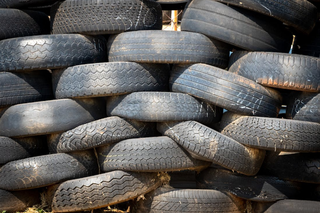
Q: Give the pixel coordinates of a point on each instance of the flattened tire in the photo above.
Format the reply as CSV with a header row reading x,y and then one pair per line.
x,y
50,52
103,190
225,89
278,70
46,170
159,106
152,154
47,117
167,47
107,79
106,16
207,144
236,26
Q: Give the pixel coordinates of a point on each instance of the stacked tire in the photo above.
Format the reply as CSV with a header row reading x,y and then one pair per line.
x,y
101,109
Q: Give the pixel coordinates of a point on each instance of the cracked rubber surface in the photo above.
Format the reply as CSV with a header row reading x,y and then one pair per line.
x,y
207,144
304,106
236,26
11,150
226,90
152,154
274,134
259,188
278,70
106,16
103,132
47,117
18,201
166,200
46,170
159,106
167,47
17,23
301,15
50,52
103,190
17,88
107,79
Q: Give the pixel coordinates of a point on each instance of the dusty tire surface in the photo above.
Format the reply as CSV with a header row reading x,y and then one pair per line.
x,y
107,79
18,201
152,154
50,52
165,200
278,70
47,117
159,106
236,26
274,134
17,88
207,144
106,16
294,206
167,47
103,190
226,90
46,170
102,132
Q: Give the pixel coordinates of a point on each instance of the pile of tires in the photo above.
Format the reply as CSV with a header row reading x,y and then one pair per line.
x,y
101,109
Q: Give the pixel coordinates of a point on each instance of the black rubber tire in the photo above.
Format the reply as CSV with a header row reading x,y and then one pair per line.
x,y
225,89
304,106
167,47
107,79
47,117
166,200
236,26
301,167
106,16
294,206
278,70
258,188
275,134
102,132
17,88
172,4
308,44
159,107
50,52
22,4
11,150
103,190
18,201
301,15
46,170
207,144
152,154
17,23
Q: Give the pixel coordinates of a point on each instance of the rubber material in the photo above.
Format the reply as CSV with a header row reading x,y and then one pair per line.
x,y
106,16
159,106
188,200
50,52
152,154
278,70
17,88
259,188
47,117
294,206
107,79
103,190
308,44
20,4
167,47
18,201
275,134
236,26
17,23
102,132
207,144
300,15
225,89
46,170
